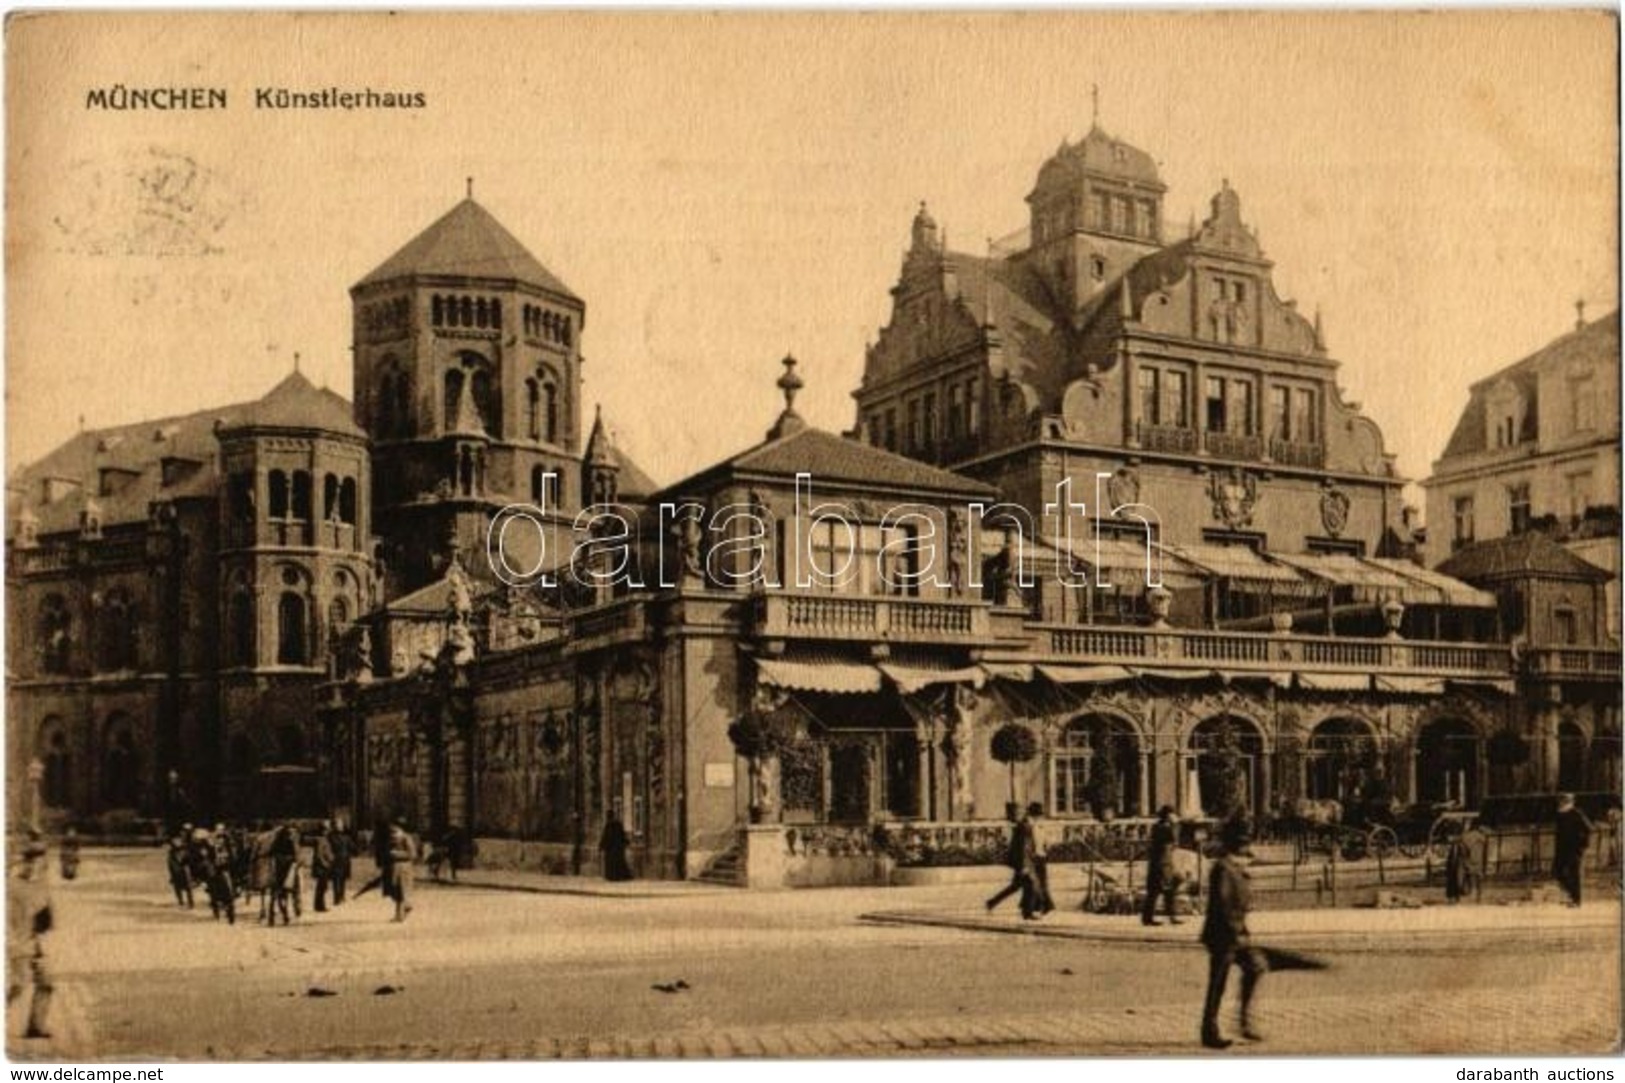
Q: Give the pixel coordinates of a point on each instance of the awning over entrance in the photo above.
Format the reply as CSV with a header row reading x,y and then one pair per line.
x,y
1275,677
1085,674
1453,591
910,679
1505,687
1122,564
1335,682
1418,685
839,676
1245,570
1368,583
1019,672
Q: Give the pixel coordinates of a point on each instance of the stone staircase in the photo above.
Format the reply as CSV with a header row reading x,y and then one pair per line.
x,y
726,869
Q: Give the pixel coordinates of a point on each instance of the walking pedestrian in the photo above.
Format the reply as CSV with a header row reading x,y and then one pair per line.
x,y
28,918
614,844
1224,934
1161,877
1572,836
339,840
321,865
1038,902
1015,856
69,854
284,873
180,875
403,851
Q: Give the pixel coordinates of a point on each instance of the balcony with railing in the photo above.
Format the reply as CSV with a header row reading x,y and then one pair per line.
x,y
1583,663
1233,445
1294,453
792,615
1175,648
1174,438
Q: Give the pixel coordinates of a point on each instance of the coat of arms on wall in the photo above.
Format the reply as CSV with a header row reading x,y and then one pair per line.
x,y
1234,493
1123,487
1334,511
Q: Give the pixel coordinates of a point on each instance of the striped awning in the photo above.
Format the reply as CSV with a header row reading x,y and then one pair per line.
x,y
1275,677
1504,687
910,679
1334,682
1453,591
1085,674
1417,685
1245,570
1369,583
1127,565
1175,674
818,676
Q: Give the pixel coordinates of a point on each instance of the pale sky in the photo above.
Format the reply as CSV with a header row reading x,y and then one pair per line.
x,y
722,189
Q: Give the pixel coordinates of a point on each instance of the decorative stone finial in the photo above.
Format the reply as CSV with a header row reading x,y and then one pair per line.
x,y
790,383
1579,314
470,183
1320,331
1094,105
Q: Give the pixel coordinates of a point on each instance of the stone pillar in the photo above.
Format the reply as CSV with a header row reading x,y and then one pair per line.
x,y
1143,803
1266,789
1131,376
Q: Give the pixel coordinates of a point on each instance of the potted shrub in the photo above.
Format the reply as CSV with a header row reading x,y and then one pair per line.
x,y
1014,743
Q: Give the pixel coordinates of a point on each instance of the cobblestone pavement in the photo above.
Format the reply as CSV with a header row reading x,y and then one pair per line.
x,y
486,975
1420,1021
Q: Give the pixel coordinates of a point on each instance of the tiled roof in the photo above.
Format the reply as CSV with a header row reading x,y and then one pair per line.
x,y
468,241
296,403
632,482
838,459
1099,152
1597,341
1517,556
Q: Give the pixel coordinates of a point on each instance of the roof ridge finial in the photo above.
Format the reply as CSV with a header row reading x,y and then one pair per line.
x,y
790,383
469,181
1094,106
1579,313
296,362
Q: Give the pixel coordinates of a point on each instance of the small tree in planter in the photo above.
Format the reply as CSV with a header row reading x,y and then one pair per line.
x,y
759,736
1014,743
1228,768
1105,791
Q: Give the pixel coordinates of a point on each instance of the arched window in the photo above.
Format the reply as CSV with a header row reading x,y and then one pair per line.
x,y
465,312
279,494
564,331
55,629
116,648
240,621
484,400
330,498
1224,767
454,396
1343,761
403,406
53,745
482,314
121,763
291,630
533,410
338,617
1095,768
347,501
550,412
547,325
1571,756
437,313
496,313
1447,753
386,405
301,495
290,745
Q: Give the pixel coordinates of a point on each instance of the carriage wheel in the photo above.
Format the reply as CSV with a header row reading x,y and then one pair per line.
x,y
1382,841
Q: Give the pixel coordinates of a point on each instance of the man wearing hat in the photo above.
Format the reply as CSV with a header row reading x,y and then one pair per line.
x,y
28,919
1573,835
1161,878
1224,934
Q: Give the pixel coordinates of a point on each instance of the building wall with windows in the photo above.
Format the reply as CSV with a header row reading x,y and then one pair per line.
x,y
1537,448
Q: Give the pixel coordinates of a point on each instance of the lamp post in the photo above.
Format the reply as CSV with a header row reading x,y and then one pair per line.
x,y
36,775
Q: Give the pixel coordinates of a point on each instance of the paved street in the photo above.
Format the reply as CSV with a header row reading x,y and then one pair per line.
x,y
488,973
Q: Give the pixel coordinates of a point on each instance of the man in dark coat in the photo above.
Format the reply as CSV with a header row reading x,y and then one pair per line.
x,y
1573,835
1161,878
339,840
1224,934
614,845
321,865
1016,858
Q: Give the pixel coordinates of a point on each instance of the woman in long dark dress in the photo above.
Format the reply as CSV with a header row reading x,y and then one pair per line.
x,y
614,843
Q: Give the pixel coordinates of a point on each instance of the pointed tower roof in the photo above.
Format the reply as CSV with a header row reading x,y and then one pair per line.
x,y
600,452
296,403
467,241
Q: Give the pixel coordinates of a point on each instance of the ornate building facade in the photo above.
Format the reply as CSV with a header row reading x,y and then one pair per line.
x,y
757,666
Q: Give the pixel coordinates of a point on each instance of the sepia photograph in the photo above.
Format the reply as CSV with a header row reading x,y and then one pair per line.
x,y
670,535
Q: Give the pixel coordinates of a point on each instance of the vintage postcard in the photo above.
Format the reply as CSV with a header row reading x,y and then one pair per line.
x,y
609,535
